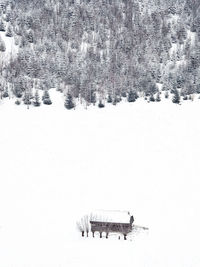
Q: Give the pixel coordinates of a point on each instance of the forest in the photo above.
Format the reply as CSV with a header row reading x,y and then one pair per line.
x,y
98,52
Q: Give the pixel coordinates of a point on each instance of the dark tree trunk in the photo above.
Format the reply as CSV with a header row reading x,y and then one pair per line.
x,y
82,233
93,234
125,235
107,235
100,234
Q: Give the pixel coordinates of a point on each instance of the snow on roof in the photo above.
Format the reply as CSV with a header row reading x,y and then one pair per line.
x,y
110,216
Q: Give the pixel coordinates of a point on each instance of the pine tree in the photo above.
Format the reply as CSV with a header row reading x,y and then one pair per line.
x,y
18,92
17,102
109,100
2,26
46,98
18,88
132,96
9,32
158,99
69,104
190,97
26,99
116,100
30,37
124,94
2,45
93,97
5,92
101,105
166,94
151,98
185,97
36,99
176,97
8,16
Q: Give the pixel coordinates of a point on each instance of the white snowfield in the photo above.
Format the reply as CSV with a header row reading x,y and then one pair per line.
x,y
57,165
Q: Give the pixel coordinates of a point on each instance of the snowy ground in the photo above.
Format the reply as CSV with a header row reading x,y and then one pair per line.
x,y
11,48
57,165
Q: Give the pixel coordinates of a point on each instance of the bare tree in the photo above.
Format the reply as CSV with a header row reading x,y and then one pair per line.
x,y
84,225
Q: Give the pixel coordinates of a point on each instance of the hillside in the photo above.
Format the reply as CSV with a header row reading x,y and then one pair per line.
x,y
101,51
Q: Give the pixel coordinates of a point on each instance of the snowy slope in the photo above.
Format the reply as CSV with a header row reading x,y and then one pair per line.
x,y
57,165
11,48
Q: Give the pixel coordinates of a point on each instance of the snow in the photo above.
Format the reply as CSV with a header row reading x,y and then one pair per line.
x,y
110,216
173,18
11,48
57,165
191,35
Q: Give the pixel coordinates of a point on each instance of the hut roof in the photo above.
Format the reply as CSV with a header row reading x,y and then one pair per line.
x,y
110,216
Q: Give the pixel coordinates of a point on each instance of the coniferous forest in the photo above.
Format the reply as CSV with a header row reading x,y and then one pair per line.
x,y
99,52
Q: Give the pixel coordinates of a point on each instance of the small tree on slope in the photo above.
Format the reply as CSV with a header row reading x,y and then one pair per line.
x,y
9,32
151,98
109,100
2,26
132,96
176,97
46,98
26,99
69,104
2,45
5,92
101,105
158,99
36,99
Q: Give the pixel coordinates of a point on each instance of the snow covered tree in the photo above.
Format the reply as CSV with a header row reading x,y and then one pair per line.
x,y
176,97
2,45
9,32
116,100
93,97
2,26
8,16
132,96
36,101
30,37
46,98
17,102
158,99
69,103
101,105
109,100
26,98
166,94
185,97
18,88
5,92
152,98
123,94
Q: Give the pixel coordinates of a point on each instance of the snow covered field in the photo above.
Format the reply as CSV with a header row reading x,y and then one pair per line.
x,y
57,165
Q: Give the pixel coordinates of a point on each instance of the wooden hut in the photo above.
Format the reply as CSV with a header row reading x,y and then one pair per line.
x,y
111,221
